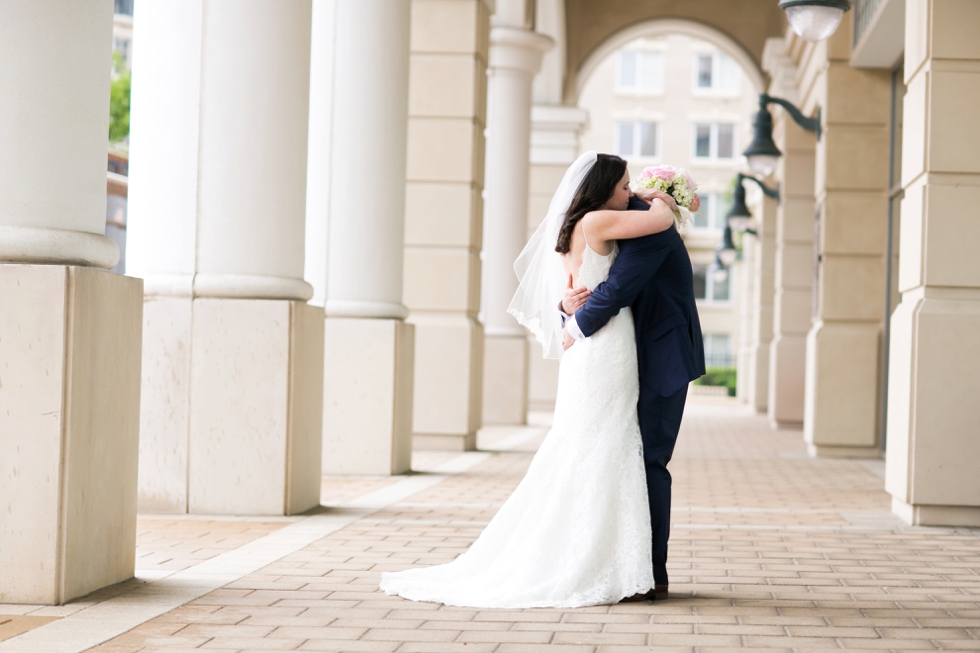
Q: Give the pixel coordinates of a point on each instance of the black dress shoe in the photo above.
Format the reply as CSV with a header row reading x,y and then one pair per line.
x,y
658,593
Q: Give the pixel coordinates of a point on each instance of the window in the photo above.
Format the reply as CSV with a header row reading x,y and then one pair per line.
x,y
700,281
709,289
717,350
716,74
714,141
711,215
637,139
640,71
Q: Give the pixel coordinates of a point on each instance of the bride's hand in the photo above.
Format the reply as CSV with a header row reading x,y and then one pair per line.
x,y
574,298
665,198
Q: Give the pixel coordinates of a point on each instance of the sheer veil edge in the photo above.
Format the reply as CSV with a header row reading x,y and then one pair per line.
x,y
539,268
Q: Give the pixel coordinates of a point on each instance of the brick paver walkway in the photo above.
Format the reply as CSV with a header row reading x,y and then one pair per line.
x,y
770,551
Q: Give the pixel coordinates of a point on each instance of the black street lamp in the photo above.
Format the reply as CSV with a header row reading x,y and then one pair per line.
x,y
814,20
762,151
726,252
718,270
739,217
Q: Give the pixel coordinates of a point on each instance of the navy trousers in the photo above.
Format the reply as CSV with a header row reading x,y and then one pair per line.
x,y
660,420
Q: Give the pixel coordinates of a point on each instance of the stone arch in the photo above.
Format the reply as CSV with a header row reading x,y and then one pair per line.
x,y
661,27
739,27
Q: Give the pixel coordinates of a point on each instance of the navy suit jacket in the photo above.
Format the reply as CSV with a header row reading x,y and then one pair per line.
x,y
653,275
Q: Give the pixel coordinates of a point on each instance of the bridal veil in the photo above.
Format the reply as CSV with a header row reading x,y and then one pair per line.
x,y
539,267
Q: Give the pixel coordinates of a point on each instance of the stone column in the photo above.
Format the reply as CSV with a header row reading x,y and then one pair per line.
x,y
793,302
763,270
746,310
69,329
515,56
555,131
843,351
444,217
232,355
359,125
933,411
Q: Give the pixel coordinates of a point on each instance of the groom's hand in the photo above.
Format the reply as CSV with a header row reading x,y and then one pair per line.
x,y
574,298
566,340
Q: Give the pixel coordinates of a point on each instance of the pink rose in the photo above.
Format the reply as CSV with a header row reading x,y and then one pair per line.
x,y
664,172
695,203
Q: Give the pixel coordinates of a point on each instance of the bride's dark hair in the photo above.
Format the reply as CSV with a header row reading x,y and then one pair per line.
x,y
595,190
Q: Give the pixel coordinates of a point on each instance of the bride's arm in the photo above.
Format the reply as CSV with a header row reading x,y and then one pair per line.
x,y
620,225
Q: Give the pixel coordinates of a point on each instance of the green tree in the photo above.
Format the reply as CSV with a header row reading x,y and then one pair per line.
x,y
119,100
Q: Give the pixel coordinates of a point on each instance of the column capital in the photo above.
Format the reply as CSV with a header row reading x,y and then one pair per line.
x,y
782,70
519,50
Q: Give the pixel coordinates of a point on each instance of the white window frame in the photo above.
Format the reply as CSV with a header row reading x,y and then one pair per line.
x,y
710,337
636,88
719,63
716,222
709,288
713,142
635,151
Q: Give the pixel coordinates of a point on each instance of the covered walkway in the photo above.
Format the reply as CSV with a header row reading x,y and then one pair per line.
x,y
770,550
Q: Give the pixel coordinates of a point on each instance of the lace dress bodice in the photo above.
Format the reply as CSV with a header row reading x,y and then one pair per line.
x,y
595,266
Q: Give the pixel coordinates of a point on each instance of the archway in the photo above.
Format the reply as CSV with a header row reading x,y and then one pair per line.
x,y
660,27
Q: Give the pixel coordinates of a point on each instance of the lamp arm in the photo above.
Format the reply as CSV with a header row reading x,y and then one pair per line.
x,y
768,192
809,124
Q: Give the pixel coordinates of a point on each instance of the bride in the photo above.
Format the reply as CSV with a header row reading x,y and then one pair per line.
x,y
576,531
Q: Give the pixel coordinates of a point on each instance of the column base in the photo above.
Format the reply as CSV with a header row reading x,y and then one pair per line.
x,y
929,515
505,380
842,385
70,346
448,387
367,396
231,410
933,413
787,379
818,451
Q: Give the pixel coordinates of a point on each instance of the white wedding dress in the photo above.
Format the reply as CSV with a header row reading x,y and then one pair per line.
x,y
576,531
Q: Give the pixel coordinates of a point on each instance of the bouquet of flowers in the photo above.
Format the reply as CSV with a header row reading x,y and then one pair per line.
x,y
676,182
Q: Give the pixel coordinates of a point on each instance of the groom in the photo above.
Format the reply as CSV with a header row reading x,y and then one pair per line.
x,y
653,275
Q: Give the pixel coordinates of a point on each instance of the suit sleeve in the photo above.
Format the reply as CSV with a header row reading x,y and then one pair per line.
x,y
638,260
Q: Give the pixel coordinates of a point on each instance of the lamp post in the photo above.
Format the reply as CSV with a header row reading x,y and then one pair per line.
x,y
814,20
726,252
762,152
739,217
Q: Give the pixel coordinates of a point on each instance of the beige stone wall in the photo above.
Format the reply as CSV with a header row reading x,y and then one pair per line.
x,y
763,273
444,216
794,256
933,413
843,365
